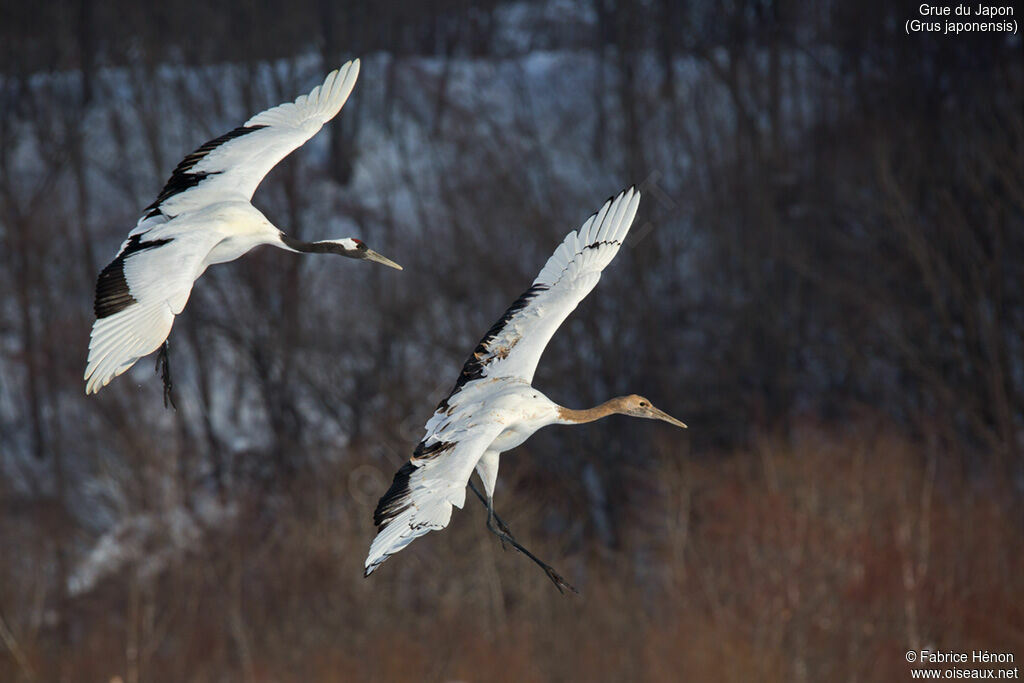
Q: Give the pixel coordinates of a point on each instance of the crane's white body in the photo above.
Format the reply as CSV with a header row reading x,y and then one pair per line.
x,y
524,410
240,226
493,408
202,217
513,404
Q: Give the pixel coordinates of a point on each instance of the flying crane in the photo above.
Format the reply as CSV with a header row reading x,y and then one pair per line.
x,y
204,216
493,408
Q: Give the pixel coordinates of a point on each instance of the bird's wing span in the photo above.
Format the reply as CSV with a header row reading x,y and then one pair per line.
x,y
513,346
234,164
137,296
425,488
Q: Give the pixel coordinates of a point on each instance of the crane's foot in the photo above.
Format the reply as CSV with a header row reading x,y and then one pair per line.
x,y
501,530
163,368
559,582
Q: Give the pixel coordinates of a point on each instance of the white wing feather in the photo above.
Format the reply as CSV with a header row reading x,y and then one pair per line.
x,y
425,489
515,344
235,168
160,281
120,340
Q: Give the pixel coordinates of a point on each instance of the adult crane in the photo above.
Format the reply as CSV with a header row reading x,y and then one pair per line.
x,y
204,216
493,407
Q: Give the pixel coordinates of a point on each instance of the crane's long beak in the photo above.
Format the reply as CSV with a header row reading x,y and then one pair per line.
x,y
371,255
665,417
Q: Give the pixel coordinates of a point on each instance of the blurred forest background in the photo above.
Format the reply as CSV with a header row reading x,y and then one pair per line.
x,y
825,281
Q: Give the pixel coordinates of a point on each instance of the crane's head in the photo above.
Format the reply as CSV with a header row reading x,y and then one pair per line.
x,y
349,246
357,249
638,406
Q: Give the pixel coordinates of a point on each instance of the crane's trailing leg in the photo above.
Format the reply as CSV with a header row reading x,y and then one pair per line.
x,y
497,520
163,368
499,529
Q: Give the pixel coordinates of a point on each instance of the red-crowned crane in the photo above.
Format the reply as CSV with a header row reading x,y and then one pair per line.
x,y
204,216
493,408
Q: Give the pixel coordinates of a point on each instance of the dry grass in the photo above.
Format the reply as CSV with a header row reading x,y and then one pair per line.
x,y
821,559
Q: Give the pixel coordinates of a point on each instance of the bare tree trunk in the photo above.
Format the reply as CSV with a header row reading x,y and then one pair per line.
x,y
25,273
86,45
600,144
339,164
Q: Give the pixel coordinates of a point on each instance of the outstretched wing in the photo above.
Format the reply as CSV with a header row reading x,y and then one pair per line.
x,y
424,490
234,164
513,346
137,296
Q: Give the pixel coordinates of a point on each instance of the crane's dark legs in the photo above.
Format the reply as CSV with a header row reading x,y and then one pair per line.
x,y
501,530
490,510
163,368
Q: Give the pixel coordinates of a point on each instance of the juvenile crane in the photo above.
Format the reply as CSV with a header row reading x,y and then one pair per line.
x,y
204,216
493,408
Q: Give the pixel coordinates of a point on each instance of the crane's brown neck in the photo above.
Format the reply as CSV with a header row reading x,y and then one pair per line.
x,y
609,407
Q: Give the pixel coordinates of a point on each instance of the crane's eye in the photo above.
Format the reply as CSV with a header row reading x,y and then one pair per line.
x,y
643,404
